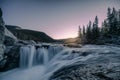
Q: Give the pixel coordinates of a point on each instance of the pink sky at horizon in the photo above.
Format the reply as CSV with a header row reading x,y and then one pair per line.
x,y
57,19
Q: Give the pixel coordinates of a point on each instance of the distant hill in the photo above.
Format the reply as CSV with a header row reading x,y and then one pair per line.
x,y
25,34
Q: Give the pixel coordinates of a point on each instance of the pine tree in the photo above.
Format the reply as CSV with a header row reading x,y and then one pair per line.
x,y
104,29
109,19
114,12
89,33
96,21
83,35
119,22
112,22
95,30
109,31
84,30
109,12
79,35
79,32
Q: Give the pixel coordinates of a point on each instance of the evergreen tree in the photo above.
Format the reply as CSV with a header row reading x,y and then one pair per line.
x,y
109,19
109,12
112,22
89,33
83,35
96,21
114,12
95,30
84,30
79,35
109,31
118,22
79,32
104,29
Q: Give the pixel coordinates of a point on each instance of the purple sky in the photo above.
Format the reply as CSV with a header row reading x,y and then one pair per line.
x,y
58,18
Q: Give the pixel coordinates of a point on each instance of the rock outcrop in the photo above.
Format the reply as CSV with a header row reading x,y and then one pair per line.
x,y
5,34
2,36
6,39
11,58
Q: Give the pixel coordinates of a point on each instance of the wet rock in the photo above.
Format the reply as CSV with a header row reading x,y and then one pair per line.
x,y
2,47
85,53
73,45
3,62
86,72
75,51
46,46
9,41
26,42
12,58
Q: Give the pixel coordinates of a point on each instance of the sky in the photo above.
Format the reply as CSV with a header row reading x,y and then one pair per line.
x,y
57,18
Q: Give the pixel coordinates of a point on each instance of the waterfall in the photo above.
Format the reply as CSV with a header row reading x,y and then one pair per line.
x,y
27,56
53,50
24,51
31,56
40,63
45,56
41,56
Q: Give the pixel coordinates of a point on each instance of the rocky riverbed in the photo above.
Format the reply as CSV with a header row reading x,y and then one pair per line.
x,y
104,65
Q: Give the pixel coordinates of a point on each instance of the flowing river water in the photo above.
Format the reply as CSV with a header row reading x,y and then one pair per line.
x,y
41,62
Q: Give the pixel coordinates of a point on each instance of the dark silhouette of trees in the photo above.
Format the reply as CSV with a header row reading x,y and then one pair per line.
x,y
91,33
113,22
108,32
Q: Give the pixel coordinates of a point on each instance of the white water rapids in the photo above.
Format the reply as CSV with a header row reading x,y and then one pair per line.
x,y
40,63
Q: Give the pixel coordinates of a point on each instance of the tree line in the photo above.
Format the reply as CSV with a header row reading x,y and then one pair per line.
x,y
109,32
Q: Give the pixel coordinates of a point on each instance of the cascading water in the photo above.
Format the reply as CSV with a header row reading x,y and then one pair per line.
x,y
24,51
40,63
53,50
27,56
41,56
31,56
